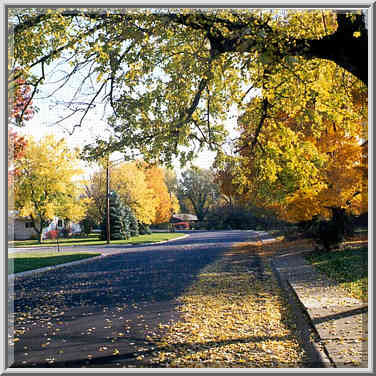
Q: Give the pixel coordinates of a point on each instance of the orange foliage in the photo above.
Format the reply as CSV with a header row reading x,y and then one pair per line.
x,y
164,200
306,172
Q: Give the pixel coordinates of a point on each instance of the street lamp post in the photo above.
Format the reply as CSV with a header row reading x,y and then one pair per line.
x,y
108,232
108,192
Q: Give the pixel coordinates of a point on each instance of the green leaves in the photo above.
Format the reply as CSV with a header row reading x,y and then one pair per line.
x,y
266,57
198,190
166,72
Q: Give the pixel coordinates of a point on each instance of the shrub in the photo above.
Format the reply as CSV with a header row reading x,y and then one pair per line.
x,y
329,234
182,226
202,225
144,229
52,234
133,223
86,225
234,217
162,226
66,232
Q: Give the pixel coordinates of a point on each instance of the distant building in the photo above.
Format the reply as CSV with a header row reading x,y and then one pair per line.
x,y
183,217
182,221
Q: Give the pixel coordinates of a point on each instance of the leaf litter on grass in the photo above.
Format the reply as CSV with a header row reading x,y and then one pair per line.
x,y
232,318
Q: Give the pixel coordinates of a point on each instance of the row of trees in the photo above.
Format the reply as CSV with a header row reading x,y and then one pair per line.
x,y
203,193
297,81
47,182
327,213
44,178
141,187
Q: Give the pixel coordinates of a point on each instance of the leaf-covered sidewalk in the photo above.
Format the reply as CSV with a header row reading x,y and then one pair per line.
x,y
234,315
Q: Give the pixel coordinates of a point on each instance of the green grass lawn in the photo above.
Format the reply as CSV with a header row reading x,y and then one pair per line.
x,y
349,267
94,239
20,262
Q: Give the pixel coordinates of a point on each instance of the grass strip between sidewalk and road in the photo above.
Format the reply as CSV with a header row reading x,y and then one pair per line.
x,y
231,318
346,266
21,262
94,239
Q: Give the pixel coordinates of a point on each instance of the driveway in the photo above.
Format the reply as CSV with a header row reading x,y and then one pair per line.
x,y
103,313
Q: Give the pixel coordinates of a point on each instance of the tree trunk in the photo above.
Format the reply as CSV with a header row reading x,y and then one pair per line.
x,y
342,221
340,47
39,230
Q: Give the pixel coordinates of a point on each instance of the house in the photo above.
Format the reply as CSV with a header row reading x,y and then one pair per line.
x,y
182,221
21,228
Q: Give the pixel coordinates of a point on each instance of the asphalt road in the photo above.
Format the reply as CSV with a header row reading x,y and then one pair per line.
x,y
101,313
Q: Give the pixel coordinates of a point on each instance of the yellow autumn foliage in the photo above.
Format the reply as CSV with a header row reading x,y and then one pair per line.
x,y
311,154
45,186
144,189
128,180
166,203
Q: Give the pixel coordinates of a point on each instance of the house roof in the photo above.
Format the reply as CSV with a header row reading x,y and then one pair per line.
x,y
181,217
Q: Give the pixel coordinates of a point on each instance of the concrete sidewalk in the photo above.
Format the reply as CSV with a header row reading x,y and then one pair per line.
x,y
340,321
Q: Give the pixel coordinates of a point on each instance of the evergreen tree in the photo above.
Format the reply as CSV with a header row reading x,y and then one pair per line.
x,y
133,223
119,220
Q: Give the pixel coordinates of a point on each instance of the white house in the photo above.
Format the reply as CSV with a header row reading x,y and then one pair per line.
x,y
21,228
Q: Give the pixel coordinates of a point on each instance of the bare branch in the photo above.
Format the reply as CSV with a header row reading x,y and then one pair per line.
x,y
87,108
41,78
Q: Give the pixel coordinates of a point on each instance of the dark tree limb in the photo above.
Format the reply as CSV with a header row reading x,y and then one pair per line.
x,y
341,47
264,115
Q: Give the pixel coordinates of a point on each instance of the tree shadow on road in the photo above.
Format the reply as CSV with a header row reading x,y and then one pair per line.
x,y
86,295
130,358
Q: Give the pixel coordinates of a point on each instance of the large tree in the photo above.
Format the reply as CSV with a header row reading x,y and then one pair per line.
x,y
129,180
95,190
45,186
198,187
172,76
166,202
307,160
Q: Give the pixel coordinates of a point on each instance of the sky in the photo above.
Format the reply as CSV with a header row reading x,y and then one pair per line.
x,y
94,125
42,124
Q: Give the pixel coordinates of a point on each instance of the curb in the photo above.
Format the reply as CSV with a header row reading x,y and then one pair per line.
x,y
315,348
319,344
330,314
12,276
95,245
